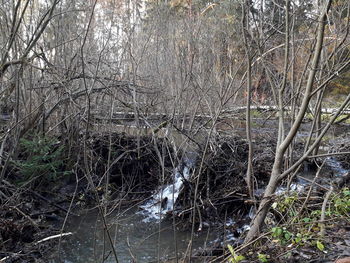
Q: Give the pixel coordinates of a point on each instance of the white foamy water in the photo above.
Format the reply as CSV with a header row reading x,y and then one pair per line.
x,y
164,199
294,187
299,186
336,167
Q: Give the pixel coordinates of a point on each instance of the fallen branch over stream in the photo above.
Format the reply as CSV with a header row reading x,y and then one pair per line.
x,y
128,115
54,236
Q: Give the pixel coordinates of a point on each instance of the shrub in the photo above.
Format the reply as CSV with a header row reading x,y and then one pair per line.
x,y
41,157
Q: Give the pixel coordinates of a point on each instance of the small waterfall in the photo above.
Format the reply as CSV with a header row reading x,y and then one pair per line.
x,y
294,187
336,166
164,199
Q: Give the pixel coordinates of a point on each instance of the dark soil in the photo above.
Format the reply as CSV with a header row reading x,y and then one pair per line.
x,y
136,164
23,222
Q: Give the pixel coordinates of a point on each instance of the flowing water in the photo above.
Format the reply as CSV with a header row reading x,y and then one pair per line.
x,y
164,199
134,239
141,235
336,167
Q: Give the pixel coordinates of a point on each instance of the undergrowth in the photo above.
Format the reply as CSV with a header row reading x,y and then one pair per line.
x,y
40,157
290,227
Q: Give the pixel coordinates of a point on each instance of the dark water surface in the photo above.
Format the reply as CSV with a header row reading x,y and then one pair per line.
x,y
134,239
140,240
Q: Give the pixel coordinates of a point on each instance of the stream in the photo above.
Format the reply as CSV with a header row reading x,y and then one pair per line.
x,y
141,235
135,240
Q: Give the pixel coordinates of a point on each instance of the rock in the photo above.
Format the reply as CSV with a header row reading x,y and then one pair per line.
x,y
343,260
164,202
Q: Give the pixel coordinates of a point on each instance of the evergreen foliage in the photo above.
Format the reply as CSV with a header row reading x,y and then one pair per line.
x,y
42,157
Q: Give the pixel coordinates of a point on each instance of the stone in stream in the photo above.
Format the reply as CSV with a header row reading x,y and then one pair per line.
x,y
164,202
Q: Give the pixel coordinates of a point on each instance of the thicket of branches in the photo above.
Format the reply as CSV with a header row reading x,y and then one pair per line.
x,y
65,64
63,59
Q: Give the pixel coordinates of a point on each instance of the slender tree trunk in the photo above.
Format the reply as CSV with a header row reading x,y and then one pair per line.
x,y
275,177
245,28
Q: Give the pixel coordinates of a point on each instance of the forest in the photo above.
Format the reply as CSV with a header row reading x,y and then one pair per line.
x,y
175,131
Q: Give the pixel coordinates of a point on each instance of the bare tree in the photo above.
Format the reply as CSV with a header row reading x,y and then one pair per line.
x,y
277,174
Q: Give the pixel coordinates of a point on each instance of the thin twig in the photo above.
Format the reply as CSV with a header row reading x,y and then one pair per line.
x,y
323,211
311,187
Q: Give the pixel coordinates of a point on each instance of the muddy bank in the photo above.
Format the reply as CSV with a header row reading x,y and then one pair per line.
x,y
26,220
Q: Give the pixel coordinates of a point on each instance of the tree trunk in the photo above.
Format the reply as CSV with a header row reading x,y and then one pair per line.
x,y
275,178
267,199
